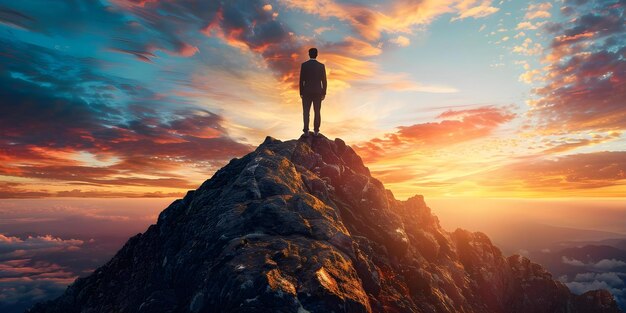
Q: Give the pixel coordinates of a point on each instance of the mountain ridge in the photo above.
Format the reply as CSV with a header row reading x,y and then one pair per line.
x,y
301,226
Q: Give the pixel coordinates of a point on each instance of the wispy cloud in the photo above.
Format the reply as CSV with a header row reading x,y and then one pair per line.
x,y
371,21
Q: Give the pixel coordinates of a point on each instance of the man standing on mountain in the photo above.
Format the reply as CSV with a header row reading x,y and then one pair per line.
x,y
312,90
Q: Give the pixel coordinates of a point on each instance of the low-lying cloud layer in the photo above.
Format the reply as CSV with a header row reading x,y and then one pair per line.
x,y
24,276
611,281
604,264
45,244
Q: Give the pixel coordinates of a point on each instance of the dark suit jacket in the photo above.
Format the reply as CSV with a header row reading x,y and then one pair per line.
x,y
312,78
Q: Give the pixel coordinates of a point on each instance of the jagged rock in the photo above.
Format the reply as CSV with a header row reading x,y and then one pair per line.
x,y
301,226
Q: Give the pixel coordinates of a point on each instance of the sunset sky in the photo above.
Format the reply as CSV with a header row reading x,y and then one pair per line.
x,y
462,101
147,98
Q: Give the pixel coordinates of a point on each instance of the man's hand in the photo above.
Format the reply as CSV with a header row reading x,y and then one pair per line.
x,y
300,96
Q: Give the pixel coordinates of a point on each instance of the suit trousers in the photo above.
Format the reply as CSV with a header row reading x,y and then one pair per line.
x,y
316,100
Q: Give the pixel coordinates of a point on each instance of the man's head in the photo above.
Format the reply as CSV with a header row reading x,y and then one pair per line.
x,y
313,53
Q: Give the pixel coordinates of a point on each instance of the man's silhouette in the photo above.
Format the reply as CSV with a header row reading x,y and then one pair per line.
x,y
312,90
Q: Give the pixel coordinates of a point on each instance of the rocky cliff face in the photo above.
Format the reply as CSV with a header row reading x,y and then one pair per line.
x,y
301,226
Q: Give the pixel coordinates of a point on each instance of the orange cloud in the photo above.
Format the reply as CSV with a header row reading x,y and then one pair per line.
x,y
528,48
481,10
50,148
529,25
401,41
400,17
353,47
539,10
590,174
402,82
456,126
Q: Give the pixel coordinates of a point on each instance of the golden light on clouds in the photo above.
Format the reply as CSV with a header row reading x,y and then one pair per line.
x,y
454,97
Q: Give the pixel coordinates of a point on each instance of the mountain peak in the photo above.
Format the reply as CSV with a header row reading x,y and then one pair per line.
x,y
301,226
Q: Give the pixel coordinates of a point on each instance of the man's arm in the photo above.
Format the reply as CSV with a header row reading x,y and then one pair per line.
x,y
301,83
324,83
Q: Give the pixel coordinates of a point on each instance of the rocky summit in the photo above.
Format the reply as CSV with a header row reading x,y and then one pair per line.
x,y
301,226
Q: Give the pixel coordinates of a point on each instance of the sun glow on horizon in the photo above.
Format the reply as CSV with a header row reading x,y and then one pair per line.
x,y
508,117
443,98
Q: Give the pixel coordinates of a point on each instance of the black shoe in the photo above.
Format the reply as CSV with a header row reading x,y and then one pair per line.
x,y
316,133
305,134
